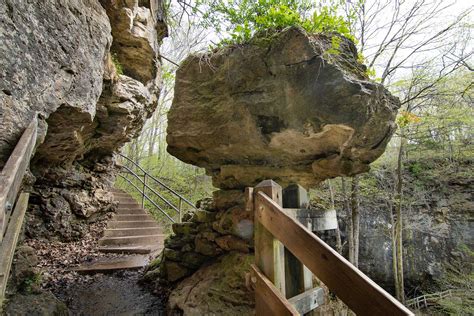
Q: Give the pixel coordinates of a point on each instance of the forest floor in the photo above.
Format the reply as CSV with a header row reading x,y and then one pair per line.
x,y
115,293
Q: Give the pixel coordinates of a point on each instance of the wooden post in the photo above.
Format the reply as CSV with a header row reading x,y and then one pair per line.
x,y
298,278
269,252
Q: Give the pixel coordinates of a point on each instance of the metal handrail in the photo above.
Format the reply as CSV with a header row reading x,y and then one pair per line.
x,y
150,200
142,177
158,181
151,189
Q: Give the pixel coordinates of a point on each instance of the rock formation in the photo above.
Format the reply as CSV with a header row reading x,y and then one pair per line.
x,y
91,70
293,108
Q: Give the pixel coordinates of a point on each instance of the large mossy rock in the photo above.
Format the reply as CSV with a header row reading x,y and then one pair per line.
x,y
293,107
216,289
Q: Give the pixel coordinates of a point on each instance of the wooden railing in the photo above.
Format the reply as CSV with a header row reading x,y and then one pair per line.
x,y
12,209
427,300
276,230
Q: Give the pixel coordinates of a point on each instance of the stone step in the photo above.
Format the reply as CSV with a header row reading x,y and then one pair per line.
x,y
112,264
124,197
133,217
132,224
139,249
132,240
141,231
128,205
131,211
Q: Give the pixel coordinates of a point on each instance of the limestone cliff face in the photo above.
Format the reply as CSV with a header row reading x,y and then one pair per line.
x,y
64,60
286,108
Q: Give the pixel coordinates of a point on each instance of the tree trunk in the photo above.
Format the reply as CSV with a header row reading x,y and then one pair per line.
x,y
355,218
399,285
333,206
350,234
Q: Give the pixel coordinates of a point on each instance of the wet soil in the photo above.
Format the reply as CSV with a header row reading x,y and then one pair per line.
x,y
111,294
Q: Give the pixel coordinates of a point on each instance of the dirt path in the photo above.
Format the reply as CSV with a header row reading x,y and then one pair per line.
x,y
111,294
116,293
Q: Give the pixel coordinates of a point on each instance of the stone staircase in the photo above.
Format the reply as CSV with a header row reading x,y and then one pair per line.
x,y
131,232
132,229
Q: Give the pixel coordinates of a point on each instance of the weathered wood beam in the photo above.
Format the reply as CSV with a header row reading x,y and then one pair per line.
x,y
353,287
7,247
14,170
269,252
298,278
308,301
268,299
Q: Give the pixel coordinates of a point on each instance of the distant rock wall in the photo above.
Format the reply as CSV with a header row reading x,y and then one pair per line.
x,y
91,70
438,223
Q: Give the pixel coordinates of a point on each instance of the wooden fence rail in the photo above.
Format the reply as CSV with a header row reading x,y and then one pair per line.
x,y
275,229
12,209
427,300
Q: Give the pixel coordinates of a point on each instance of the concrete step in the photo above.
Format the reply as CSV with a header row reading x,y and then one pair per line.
x,y
117,191
128,205
132,224
142,231
131,211
139,249
127,218
132,240
112,264
123,197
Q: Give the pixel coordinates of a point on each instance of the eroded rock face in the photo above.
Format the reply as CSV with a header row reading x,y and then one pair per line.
x,y
283,108
217,289
62,59
52,56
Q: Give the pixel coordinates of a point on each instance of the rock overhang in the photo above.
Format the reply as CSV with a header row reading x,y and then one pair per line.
x,y
288,110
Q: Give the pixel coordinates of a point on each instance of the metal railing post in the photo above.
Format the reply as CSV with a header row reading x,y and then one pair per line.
x,y
144,188
179,210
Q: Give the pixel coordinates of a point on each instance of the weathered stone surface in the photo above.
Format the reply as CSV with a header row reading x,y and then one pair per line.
x,y
185,228
25,269
175,271
206,247
287,110
177,242
202,216
193,260
217,289
52,56
56,59
136,26
44,303
224,199
171,254
236,221
230,242
64,200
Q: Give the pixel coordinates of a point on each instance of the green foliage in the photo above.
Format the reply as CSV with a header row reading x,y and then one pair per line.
x,y
31,283
416,168
117,64
245,18
459,276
